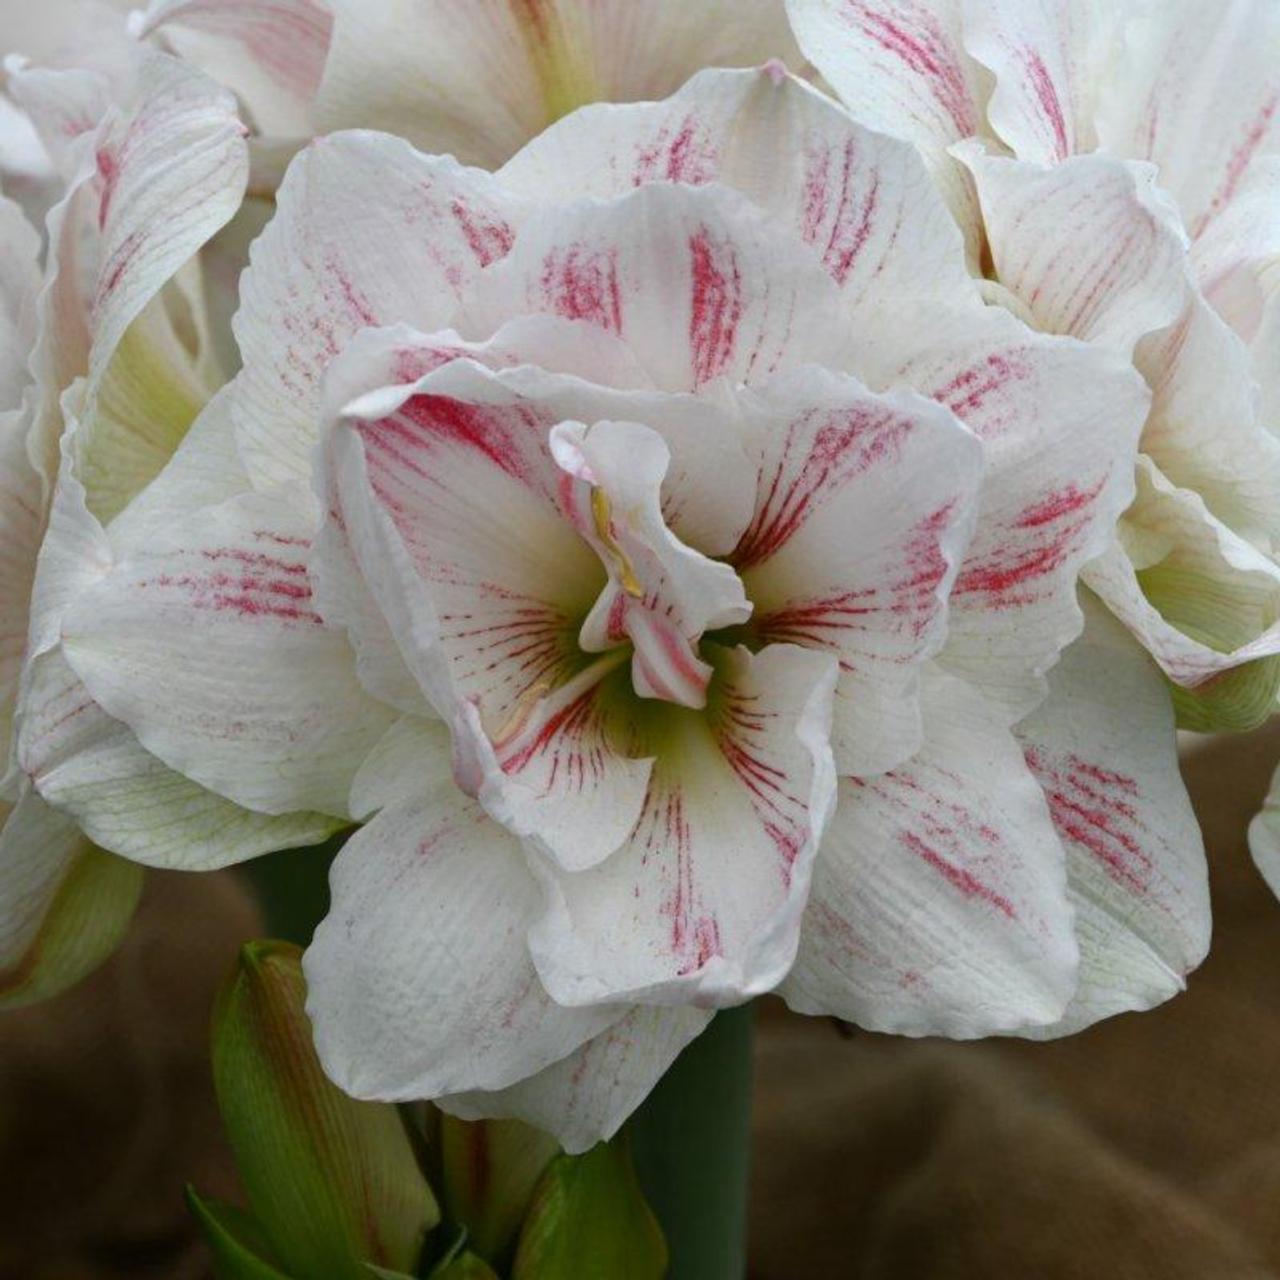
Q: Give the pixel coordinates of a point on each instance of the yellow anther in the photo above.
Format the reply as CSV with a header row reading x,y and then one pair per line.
x,y
603,516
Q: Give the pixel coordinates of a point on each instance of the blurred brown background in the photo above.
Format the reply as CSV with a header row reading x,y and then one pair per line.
x,y
1145,1149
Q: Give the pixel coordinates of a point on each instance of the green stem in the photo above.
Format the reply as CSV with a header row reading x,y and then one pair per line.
x,y
691,1141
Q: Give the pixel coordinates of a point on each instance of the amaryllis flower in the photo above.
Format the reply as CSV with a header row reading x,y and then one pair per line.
x,y
1109,138
660,547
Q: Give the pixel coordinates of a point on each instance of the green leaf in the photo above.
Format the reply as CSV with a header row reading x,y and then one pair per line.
x,y
234,1239
467,1266
332,1181
385,1273
489,1171
589,1218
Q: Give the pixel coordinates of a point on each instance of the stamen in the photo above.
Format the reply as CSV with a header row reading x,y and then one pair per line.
x,y
602,514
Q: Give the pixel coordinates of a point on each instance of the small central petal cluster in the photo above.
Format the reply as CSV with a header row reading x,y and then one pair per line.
x,y
663,551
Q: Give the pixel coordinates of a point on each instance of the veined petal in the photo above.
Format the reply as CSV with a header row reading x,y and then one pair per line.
x,y
662,595
271,54
900,68
1059,422
862,201
1104,749
480,77
419,978
703,902
1202,601
95,771
1196,90
63,904
265,710
864,508
1091,247
696,281
367,232
585,1097
1049,59
939,903
444,501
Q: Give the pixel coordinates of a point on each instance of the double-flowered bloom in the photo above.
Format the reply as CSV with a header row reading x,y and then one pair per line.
x,y
665,545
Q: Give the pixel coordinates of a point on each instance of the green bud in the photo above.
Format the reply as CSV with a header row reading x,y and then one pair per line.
x,y
489,1170
87,914
234,1239
589,1218
333,1182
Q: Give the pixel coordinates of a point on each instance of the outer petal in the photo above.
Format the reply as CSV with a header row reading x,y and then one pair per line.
x,y
271,54
1264,837
863,201
1196,90
939,900
1090,247
696,281
266,709
19,281
901,69
1202,601
63,904
1059,421
864,508
703,904
1104,749
585,1097
662,595
419,978
478,78
1049,59
367,232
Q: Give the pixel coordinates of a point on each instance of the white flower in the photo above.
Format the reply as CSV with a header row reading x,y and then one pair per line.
x,y
664,477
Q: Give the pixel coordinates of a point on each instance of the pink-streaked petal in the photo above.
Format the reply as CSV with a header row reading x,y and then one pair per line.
x,y
271,54
864,509
900,67
1201,600
662,595
939,899
1090,247
1049,59
419,980
703,903
265,709
1104,750
1059,422
478,78
697,282
585,1097
862,201
1196,89
367,232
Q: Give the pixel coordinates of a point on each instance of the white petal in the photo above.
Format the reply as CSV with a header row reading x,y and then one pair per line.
x,y
662,595
696,281
125,799
1196,90
1202,601
21,528
1049,59
864,510
1059,422
367,232
585,1098
419,978
19,281
939,900
863,201
265,709
1091,247
703,904
1104,749
900,68
480,77
272,55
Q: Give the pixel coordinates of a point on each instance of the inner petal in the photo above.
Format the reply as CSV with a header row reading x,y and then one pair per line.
x,y
661,595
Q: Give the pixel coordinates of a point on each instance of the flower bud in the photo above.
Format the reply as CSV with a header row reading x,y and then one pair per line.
x,y
333,1182
589,1218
